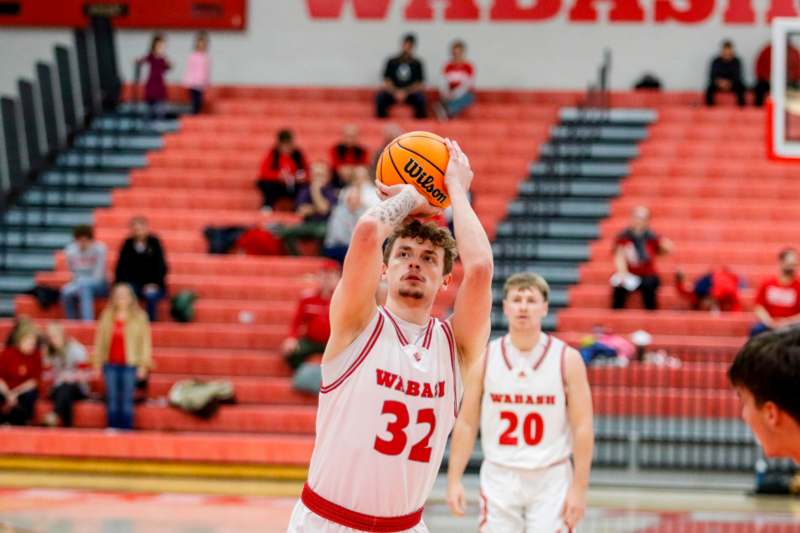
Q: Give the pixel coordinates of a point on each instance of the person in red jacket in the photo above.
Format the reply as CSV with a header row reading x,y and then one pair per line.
x,y
346,155
311,327
764,71
778,297
20,375
283,170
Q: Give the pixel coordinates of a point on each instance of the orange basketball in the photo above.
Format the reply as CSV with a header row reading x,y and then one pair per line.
x,y
419,158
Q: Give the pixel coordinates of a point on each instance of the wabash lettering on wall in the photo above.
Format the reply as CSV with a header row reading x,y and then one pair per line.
x,y
578,11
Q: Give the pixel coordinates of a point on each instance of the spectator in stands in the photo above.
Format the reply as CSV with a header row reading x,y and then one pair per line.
x,y
155,88
141,265
282,170
20,375
715,291
347,155
459,77
353,202
123,349
726,75
403,81
635,252
314,204
67,358
86,260
765,374
764,72
311,325
198,72
391,131
778,297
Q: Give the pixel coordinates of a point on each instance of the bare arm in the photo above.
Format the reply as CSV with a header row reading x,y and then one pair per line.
x,y
25,386
619,260
763,316
462,441
579,412
353,302
472,310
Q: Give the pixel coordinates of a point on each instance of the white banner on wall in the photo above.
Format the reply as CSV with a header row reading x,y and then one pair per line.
x,y
532,44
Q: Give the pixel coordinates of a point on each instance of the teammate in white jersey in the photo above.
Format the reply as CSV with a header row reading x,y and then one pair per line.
x,y
532,401
391,374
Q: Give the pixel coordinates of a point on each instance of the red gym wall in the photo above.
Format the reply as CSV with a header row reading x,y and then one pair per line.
x,y
144,14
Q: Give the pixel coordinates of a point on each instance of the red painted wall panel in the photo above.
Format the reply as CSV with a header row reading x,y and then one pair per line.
x,y
145,14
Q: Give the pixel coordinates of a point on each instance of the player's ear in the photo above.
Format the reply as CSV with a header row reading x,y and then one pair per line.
x,y
448,278
771,413
384,268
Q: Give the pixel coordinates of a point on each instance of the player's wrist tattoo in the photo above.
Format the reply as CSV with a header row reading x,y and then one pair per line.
x,y
395,209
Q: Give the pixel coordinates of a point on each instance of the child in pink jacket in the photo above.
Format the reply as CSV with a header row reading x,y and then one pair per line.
x,y
198,71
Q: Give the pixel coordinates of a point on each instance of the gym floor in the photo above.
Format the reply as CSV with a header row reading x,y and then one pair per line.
x,y
153,505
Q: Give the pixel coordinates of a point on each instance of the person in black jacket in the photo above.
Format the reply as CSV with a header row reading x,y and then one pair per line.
x,y
403,81
141,265
726,75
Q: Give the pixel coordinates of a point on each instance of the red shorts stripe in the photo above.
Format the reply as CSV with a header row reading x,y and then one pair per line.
x,y
352,519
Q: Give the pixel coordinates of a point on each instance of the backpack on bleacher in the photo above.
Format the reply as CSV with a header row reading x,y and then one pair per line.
x,y
199,398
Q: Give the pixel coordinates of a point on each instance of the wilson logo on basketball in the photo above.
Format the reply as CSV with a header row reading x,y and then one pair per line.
x,y
415,171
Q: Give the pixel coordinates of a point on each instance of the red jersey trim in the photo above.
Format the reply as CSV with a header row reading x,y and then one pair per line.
x,y
355,520
402,338
503,351
448,332
544,352
484,510
563,372
360,359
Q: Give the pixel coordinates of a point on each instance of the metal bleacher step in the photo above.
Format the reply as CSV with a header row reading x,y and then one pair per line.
x,y
105,160
32,237
573,168
6,305
50,217
614,116
67,198
576,229
556,207
136,125
599,133
555,272
95,179
594,151
16,281
30,258
141,108
537,188
119,142
541,249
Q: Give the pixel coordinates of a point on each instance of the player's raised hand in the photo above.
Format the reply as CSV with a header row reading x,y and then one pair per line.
x,y
574,507
459,171
423,209
456,499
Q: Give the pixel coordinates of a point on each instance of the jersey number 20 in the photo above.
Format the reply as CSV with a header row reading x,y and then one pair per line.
x,y
532,429
421,451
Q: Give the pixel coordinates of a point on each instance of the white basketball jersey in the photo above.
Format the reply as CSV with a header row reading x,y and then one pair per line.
x,y
524,421
386,407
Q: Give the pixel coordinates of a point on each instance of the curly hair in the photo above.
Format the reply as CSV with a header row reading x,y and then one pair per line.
x,y
425,231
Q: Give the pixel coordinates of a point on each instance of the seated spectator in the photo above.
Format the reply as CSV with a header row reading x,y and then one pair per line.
x,y
778,297
86,260
726,75
346,156
459,76
764,72
353,202
635,252
283,169
314,204
141,265
68,361
123,350
717,290
311,325
20,375
403,81
390,132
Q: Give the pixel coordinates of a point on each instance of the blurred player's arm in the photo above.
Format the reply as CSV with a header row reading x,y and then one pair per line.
x,y
462,441
353,302
579,412
471,318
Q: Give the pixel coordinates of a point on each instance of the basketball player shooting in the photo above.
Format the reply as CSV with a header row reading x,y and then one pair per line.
x,y
532,401
392,375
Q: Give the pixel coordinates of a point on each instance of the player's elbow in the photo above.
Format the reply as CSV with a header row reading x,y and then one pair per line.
x,y
480,270
366,233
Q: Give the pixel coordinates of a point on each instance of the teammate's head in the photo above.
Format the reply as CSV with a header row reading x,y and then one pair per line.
x,y
526,297
418,258
788,259
765,374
